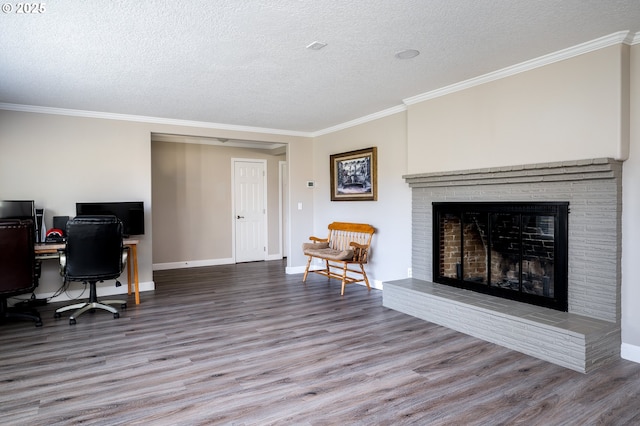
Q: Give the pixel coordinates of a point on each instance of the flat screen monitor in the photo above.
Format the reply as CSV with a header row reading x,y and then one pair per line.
x,y
17,209
130,213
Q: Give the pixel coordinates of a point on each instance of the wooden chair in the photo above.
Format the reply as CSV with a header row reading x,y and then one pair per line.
x,y
344,251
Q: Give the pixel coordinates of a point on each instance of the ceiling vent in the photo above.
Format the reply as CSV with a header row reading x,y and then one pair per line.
x,y
316,45
407,54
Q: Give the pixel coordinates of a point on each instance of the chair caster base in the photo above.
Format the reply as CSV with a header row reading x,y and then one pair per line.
x,y
91,307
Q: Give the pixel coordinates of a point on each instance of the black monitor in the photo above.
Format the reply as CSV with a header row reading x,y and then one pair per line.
x,y
17,209
130,213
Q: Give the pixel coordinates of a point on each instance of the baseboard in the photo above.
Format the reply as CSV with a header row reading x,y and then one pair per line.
x,y
630,352
377,284
207,262
192,264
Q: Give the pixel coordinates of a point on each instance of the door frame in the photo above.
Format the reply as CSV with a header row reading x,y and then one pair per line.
x,y
283,177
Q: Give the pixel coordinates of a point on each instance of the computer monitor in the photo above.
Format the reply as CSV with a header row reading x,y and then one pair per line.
x,y
130,213
17,209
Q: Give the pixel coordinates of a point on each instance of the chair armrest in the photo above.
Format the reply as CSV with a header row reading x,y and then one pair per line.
x,y
359,251
62,258
357,245
125,254
319,240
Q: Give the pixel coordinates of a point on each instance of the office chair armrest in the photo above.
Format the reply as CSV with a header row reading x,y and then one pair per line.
x,y
63,261
125,254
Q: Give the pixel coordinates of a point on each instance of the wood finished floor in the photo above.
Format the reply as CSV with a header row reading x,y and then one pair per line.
x,y
248,345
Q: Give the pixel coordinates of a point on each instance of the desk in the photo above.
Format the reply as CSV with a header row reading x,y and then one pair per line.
x,y
48,251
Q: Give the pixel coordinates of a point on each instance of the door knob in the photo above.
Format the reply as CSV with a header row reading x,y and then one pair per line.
x,y
240,217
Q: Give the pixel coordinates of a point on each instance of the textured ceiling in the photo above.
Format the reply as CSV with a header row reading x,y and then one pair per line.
x,y
244,63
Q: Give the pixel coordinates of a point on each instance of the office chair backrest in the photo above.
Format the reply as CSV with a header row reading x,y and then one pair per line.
x,y
17,257
94,248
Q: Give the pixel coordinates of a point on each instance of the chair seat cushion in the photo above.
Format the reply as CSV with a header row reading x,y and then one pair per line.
x,y
329,253
314,246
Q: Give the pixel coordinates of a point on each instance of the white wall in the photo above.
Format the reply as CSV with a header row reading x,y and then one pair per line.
x,y
631,223
59,160
301,170
565,111
390,215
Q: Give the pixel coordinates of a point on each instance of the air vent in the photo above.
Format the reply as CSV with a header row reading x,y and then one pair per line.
x,y
316,45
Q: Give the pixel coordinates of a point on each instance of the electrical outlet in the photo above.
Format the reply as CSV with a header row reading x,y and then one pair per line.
x,y
409,272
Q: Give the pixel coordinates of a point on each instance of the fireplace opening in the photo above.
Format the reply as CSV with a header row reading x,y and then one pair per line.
x,y
512,250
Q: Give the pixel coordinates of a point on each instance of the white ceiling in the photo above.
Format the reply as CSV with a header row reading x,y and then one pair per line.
x,y
245,63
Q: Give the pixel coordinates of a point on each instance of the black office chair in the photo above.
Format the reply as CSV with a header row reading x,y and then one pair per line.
x,y
19,270
93,253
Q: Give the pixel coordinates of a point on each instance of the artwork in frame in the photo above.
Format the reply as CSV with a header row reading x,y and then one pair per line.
x,y
354,176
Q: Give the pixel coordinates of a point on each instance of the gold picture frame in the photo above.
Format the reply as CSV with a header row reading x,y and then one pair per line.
x,y
354,175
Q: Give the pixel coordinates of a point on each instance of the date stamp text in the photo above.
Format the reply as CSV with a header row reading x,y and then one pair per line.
x,y
24,8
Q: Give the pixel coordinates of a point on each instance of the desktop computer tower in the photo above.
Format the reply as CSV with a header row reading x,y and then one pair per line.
x,y
40,226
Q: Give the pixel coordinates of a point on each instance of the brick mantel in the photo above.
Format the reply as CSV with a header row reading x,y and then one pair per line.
x,y
595,169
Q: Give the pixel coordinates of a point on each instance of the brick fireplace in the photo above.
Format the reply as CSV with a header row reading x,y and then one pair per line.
x,y
586,336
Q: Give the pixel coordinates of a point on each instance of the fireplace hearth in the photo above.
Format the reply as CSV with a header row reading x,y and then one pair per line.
x,y
512,250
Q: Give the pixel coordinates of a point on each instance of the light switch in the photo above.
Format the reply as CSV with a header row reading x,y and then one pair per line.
x,y
299,206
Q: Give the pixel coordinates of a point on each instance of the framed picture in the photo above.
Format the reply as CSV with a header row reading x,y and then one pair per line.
x,y
354,176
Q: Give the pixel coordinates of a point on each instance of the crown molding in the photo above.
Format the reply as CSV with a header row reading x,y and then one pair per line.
x,y
144,119
625,37
361,120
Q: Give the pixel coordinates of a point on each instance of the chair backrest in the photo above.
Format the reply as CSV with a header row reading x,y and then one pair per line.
x,y
17,257
93,249
342,234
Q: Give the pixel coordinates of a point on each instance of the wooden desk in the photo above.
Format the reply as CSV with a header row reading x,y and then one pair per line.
x,y
48,251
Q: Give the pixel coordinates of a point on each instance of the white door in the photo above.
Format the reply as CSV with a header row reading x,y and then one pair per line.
x,y
250,211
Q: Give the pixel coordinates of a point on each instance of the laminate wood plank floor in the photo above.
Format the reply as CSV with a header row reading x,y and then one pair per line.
x,y
247,344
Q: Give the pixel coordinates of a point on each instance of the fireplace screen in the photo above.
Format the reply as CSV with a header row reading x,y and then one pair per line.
x,y
512,250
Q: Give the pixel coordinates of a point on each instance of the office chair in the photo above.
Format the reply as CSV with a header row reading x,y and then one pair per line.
x,y
93,253
19,270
